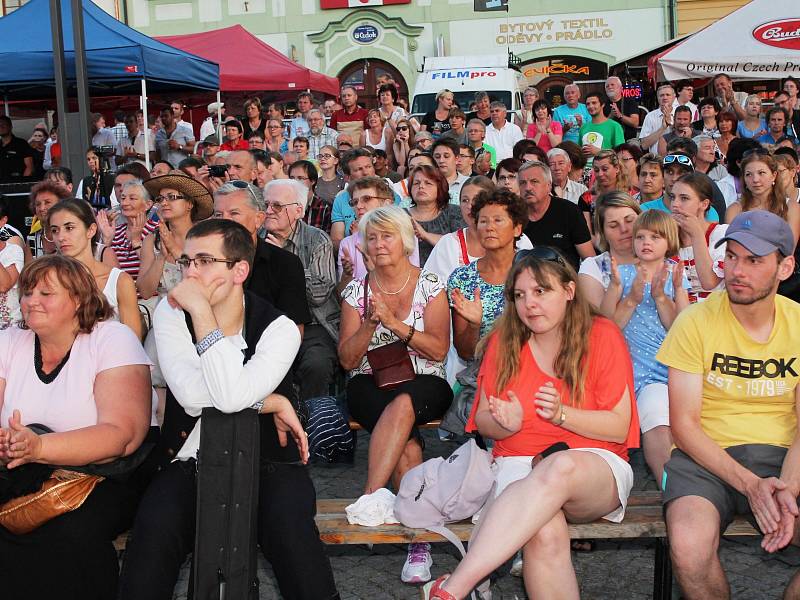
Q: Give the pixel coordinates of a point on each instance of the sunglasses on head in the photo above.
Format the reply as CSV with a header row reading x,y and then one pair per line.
x,y
756,151
541,253
681,159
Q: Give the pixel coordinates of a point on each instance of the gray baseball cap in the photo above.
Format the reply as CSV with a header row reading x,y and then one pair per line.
x,y
761,232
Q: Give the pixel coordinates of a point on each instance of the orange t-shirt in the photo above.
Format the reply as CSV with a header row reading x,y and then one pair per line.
x,y
609,371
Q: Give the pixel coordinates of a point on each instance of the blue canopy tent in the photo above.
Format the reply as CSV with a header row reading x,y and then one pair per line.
x,y
118,58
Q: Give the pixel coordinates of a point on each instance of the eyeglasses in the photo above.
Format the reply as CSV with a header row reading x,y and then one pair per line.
x,y
277,207
541,253
506,178
324,156
681,159
404,128
365,199
299,178
201,262
168,198
274,126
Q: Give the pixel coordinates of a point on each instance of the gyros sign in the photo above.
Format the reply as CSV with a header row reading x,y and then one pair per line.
x,y
781,34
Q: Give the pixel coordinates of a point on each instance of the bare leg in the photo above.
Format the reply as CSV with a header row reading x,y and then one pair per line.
x,y
657,445
411,457
793,589
388,441
547,563
693,526
580,483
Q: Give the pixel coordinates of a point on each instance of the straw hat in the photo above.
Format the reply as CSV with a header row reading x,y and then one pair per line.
x,y
191,188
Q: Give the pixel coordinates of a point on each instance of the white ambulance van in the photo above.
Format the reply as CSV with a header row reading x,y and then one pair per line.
x,y
465,75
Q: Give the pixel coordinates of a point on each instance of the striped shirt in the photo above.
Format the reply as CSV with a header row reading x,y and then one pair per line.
x,y
126,255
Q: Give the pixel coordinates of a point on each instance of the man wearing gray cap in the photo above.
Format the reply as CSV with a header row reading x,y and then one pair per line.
x,y
733,394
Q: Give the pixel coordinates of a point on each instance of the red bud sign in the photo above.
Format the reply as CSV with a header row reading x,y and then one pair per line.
x,y
784,33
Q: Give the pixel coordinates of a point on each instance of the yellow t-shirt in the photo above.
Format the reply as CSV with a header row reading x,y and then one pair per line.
x,y
748,387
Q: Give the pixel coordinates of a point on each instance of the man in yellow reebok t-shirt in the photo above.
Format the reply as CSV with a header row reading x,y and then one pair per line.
x,y
734,365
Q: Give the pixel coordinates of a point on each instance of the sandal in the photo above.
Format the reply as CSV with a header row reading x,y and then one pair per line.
x,y
433,590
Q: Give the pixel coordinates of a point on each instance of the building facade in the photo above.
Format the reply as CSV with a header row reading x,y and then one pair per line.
x,y
555,41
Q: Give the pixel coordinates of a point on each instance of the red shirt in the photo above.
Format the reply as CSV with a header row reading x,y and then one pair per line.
x,y
608,372
242,144
342,116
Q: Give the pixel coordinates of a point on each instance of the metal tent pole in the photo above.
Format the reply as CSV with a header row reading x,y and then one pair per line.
x,y
143,106
60,79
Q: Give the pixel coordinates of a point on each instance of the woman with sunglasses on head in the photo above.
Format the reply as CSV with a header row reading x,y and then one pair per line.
x,y
182,202
763,191
552,371
74,232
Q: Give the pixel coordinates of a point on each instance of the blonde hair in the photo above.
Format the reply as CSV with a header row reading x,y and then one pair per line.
x,y
376,112
602,204
513,334
390,219
662,224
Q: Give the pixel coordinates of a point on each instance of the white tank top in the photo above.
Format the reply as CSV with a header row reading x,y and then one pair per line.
x,y
381,145
110,290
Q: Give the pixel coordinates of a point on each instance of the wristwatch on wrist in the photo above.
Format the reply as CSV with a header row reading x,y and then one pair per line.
x,y
562,417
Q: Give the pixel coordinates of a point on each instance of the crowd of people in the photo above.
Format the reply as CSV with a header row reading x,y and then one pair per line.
x,y
602,284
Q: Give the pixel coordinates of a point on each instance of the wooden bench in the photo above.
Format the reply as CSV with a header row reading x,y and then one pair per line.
x,y
643,520
432,425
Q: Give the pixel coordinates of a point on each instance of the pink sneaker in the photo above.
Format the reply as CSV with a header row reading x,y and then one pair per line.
x,y
418,564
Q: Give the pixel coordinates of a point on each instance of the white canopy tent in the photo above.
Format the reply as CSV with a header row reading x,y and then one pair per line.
x,y
761,40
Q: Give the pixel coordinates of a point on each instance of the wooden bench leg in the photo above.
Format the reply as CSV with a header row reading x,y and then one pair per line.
x,y
662,572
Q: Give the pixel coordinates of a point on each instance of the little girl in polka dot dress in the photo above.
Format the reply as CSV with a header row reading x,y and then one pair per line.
x,y
645,298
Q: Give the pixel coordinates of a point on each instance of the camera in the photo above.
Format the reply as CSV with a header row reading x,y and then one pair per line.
x,y
217,170
104,150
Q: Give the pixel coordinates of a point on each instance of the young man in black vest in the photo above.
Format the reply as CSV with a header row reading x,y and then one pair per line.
x,y
220,346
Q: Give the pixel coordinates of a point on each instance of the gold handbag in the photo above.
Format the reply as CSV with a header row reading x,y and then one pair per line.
x,y
63,492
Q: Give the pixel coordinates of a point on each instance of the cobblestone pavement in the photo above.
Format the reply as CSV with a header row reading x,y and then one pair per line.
x,y
614,570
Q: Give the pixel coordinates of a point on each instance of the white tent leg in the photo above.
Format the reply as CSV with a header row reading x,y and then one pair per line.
x,y
219,118
143,105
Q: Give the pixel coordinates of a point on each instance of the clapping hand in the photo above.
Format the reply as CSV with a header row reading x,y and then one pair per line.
x,y
105,224
368,263
548,402
507,413
168,241
136,228
379,311
470,310
19,444
347,264
658,281
637,289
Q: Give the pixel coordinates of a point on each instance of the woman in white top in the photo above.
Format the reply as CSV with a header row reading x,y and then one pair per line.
x,y
390,111
613,222
85,378
74,232
12,259
377,135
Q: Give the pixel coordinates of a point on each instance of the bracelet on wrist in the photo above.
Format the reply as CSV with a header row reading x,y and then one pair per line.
x,y
562,417
258,406
209,340
411,332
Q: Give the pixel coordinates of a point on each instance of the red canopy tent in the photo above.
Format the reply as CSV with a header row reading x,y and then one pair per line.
x,y
247,64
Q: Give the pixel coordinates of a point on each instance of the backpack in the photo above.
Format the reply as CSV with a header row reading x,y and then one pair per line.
x,y
441,491
329,436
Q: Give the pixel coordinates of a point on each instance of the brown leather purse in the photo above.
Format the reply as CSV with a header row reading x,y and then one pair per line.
x,y
63,492
391,364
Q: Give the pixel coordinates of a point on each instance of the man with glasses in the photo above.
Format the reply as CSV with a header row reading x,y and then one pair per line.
x,y
277,276
317,361
501,134
465,161
221,346
256,141
476,134
319,134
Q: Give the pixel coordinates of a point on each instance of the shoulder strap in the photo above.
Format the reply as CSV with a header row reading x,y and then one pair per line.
x,y
366,290
462,239
711,227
